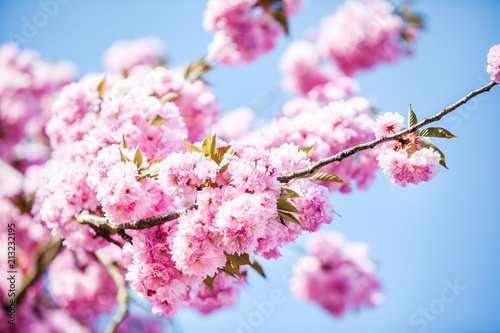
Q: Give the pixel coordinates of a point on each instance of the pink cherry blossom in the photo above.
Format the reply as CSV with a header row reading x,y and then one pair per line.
x,y
422,165
81,285
28,87
389,123
227,290
494,63
123,55
336,274
331,128
36,313
306,75
152,271
360,35
243,29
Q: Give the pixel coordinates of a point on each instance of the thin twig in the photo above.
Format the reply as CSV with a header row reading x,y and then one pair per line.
x,y
155,220
353,150
97,221
124,235
102,233
122,296
102,223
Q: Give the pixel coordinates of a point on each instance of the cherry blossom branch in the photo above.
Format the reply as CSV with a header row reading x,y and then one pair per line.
x,y
369,145
102,223
122,296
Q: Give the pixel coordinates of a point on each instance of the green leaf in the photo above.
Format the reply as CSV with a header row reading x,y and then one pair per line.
x,y
194,71
412,18
283,222
224,168
264,3
153,170
287,193
157,120
287,205
328,177
206,146
124,143
213,147
101,88
138,158
307,149
231,268
234,261
220,152
123,157
258,268
191,148
209,282
170,97
436,132
425,144
279,15
156,160
227,271
223,162
240,259
289,217
412,118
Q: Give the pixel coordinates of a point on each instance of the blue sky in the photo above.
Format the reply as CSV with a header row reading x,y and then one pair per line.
x,y
423,237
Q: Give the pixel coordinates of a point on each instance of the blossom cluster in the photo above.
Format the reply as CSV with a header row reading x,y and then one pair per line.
x,y
28,86
494,63
236,216
117,130
306,75
361,34
15,198
119,151
98,113
246,29
408,160
330,128
80,284
358,36
336,274
124,55
37,313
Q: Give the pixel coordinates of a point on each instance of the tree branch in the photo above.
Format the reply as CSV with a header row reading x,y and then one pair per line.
x,y
155,220
102,223
122,296
369,145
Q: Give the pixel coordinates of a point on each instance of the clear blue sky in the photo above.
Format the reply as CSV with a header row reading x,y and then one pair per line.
x,y
420,236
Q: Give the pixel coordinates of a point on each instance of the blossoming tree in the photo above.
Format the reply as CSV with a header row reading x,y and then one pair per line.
x,y
128,183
